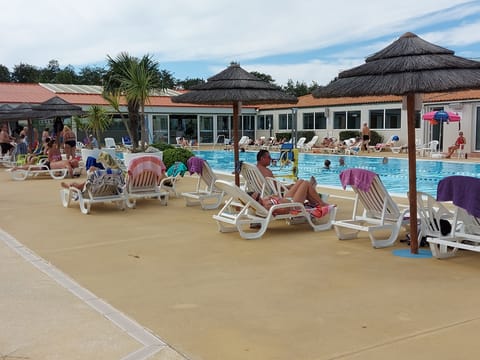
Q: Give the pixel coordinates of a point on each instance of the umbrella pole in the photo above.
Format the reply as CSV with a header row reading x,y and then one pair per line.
x,y
236,111
412,173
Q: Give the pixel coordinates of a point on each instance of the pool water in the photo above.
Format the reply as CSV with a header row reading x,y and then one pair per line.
x,y
394,173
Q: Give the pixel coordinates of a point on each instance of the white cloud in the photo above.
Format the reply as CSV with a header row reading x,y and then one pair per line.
x,y
82,33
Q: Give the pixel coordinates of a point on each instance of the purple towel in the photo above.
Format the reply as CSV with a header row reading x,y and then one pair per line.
x,y
195,165
463,191
359,178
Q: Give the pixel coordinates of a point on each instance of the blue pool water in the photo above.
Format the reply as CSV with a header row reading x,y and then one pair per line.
x,y
394,174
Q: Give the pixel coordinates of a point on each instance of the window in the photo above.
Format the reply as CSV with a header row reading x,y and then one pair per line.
x,y
339,120
160,128
376,119
353,119
261,125
308,121
320,120
393,118
284,121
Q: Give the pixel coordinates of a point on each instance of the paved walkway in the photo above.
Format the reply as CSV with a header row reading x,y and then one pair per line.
x,y
162,283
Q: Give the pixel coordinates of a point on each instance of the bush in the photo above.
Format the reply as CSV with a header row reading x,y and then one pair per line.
x,y
348,134
375,138
162,146
173,154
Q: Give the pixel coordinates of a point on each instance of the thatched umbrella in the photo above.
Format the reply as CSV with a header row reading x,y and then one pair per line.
x,y
56,107
234,86
408,66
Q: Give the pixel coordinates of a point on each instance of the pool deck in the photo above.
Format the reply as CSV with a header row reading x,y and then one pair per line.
x,y
162,283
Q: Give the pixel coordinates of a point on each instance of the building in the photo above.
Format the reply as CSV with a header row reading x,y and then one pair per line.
x,y
207,124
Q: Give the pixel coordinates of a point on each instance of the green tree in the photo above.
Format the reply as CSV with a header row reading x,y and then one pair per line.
x,y
98,120
91,75
4,74
25,73
188,83
167,80
135,79
49,73
265,77
66,76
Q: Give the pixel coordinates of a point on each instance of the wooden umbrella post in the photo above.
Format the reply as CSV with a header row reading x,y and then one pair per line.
x,y
237,105
412,173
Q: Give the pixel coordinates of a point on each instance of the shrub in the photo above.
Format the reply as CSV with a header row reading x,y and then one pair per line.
x,y
162,146
173,154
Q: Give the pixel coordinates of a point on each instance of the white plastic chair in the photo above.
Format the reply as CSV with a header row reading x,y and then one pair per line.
x,y
110,143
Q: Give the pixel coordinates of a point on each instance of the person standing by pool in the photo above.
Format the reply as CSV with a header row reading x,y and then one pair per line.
x,y
365,136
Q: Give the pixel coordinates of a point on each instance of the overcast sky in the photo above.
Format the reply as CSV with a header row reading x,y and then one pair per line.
x,y
302,40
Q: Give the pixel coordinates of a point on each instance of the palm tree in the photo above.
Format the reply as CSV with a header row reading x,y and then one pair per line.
x,y
98,120
135,79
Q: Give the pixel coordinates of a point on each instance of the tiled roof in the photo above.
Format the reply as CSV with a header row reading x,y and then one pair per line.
x,y
16,93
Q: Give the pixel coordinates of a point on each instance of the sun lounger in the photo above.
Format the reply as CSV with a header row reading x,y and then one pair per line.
x,y
143,180
244,214
102,186
37,171
380,213
464,192
205,194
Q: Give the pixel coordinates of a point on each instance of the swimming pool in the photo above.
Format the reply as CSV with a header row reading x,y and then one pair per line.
x,y
394,173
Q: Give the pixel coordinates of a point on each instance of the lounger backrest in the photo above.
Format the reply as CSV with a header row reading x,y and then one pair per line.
x,y
240,196
208,176
254,180
145,171
430,212
377,202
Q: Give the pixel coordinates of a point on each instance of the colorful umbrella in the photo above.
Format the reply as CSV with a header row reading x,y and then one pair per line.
x,y
435,116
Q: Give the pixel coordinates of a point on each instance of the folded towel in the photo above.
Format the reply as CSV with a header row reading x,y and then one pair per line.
x,y
195,165
359,178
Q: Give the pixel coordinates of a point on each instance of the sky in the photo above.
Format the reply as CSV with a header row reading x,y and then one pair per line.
x,y
308,41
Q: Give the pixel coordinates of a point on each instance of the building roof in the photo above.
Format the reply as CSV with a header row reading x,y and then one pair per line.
x,y
17,93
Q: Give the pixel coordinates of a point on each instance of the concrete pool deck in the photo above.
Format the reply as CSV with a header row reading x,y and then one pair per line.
x,y
162,283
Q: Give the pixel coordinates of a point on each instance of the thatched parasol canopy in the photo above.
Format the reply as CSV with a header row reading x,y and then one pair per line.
x,y
408,66
234,86
56,107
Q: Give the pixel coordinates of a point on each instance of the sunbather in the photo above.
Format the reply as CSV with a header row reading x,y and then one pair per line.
x,y
107,161
302,192
55,160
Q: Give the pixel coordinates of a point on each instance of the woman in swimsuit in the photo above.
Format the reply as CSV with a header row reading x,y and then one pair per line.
x,y
55,160
70,142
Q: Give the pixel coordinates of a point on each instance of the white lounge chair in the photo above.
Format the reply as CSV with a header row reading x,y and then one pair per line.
x,y
102,186
127,142
388,144
143,180
464,192
244,141
37,171
301,142
244,214
255,181
380,213
110,143
309,145
205,194
432,215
